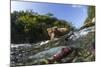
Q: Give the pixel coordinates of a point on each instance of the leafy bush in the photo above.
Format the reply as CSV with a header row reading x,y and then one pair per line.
x,y
28,26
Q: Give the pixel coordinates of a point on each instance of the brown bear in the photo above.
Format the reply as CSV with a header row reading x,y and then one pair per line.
x,y
55,32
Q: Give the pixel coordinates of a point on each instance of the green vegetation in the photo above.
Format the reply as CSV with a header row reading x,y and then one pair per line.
x,y
91,14
28,26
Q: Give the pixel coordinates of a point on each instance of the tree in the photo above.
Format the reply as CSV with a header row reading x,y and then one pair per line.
x,y
91,14
28,26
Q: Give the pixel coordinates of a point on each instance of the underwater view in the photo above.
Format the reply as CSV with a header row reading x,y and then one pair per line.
x,y
51,33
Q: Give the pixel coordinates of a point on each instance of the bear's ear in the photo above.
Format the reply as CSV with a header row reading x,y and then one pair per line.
x,y
48,29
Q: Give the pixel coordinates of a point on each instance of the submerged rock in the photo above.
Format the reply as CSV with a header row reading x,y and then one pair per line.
x,y
47,54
